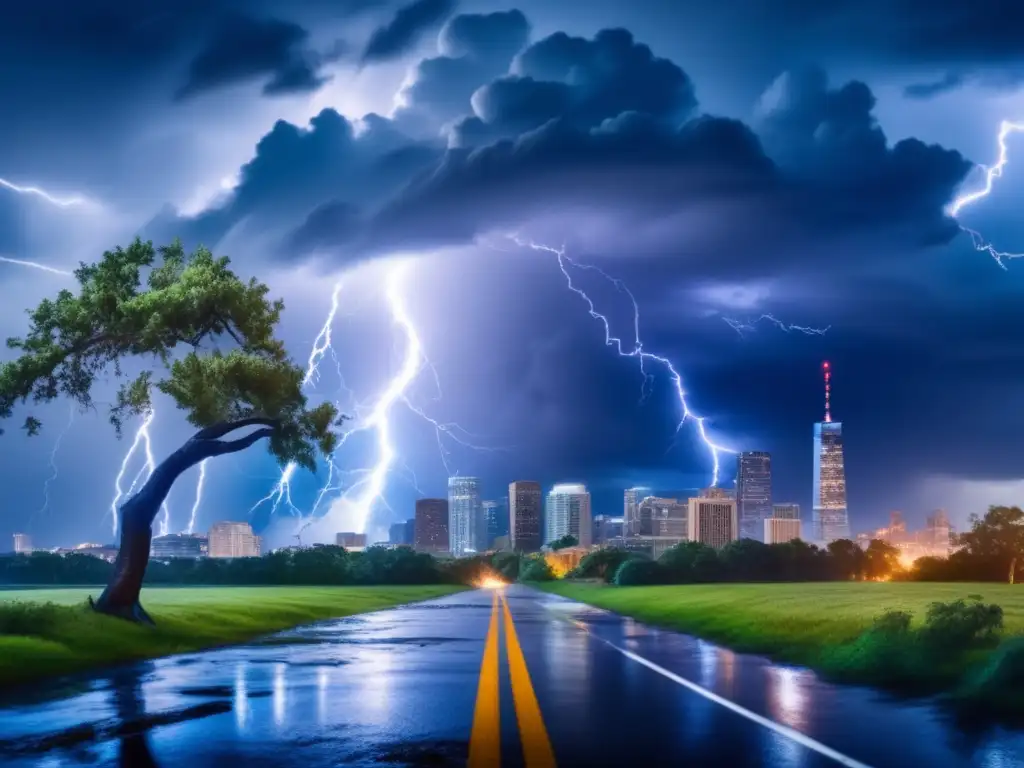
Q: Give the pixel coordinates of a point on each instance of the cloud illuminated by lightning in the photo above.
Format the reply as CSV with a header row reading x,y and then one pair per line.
x,y
751,326
992,173
637,351
140,442
63,202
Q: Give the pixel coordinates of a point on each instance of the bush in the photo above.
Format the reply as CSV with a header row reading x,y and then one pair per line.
x,y
536,569
999,685
600,564
886,654
639,572
958,626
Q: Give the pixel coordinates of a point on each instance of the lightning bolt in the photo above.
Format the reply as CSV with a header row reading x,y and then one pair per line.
x,y
637,351
992,173
140,442
54,470
750,327
322,345
199,496
63,202
36,265
368,485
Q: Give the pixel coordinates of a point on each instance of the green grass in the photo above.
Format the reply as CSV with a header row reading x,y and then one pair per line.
x,y
47,632
799,623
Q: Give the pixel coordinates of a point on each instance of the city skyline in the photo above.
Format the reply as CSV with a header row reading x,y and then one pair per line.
x,y
672,366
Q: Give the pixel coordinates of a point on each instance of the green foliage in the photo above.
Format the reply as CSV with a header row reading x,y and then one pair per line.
x,y
996,539
536,568
564,542
960,625
318,565
507,564
998,686
41,639
639,572
170,323
600,564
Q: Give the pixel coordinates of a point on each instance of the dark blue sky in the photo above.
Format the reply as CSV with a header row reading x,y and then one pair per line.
x,y
725,162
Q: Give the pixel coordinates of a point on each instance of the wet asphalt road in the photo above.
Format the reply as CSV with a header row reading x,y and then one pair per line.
x,y
414,686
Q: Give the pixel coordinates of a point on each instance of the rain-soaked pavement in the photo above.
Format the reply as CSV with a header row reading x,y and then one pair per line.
x,y
400,687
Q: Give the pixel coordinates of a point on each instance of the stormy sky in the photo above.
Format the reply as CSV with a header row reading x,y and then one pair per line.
x,y
722,161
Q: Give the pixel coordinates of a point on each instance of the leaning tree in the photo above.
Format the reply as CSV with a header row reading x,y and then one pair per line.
x,y
204,337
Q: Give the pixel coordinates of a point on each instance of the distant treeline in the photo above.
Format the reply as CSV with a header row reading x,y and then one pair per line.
x,y
990,551
320,565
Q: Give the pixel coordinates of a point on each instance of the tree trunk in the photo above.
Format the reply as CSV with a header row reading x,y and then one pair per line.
x,y
1013,567
121,596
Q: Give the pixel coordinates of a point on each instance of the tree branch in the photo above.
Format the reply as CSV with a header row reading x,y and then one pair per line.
x,y
224,427
220,447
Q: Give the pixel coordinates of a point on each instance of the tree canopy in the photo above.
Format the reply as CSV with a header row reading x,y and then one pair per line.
x,y
176,323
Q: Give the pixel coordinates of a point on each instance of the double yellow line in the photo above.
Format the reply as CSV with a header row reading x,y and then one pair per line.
x,y
485,739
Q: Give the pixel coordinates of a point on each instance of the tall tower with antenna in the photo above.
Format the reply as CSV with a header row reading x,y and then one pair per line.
x,y
830,519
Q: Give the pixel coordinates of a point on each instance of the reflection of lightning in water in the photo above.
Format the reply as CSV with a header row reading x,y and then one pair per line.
x,y
638,352
750,327
992,173
199,496
63,202
54,470
141,440
36,265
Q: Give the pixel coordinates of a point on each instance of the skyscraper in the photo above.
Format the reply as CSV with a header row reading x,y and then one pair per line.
x,y
786,511
754,492
830,520
631,498
431,526
567,513
524,504
607,529
779,530
233,540
464,514
496,517
22,544
713,520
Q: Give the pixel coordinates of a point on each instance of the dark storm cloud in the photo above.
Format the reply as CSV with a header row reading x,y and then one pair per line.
x,y
475,49
404,31
296,170
578,80
601,125
929,89
244,48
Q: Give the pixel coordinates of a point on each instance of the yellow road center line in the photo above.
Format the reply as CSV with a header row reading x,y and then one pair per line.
x,y
485,738
536,744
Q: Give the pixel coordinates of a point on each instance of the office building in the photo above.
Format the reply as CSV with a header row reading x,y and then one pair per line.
x,y
22,544
400,534
233,540
664,518
496,518
713,519
178,545
524,509
786,511
753,492
464,515
779,530
351,540
607,528
830,520
631,498
567,513
938,533
431,526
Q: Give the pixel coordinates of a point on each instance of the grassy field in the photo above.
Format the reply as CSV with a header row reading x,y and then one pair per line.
x,y
810,624
46,632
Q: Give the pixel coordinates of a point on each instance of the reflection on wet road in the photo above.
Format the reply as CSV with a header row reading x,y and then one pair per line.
x,y
526,677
